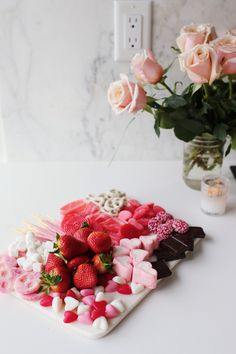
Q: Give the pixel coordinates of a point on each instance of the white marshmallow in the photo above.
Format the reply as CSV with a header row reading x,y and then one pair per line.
x,y
57,304
35,257
98,289
136,288
27,265
12,250
20,261
101,296
21,246
76,292
119,280
48,245
70,303
101,323
37,267
82,308
118,304
29,237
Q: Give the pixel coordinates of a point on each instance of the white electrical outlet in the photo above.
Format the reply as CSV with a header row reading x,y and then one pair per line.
x,y
133,31
132,27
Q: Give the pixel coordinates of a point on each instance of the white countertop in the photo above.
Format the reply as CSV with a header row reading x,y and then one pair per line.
x,y
192,312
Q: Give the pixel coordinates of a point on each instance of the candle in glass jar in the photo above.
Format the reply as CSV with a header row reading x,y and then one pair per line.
x,y
214,194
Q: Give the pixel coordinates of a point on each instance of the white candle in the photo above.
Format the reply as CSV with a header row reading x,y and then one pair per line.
x,y
214,194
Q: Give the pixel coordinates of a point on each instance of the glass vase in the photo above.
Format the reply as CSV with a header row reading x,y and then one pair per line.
x,y
202,156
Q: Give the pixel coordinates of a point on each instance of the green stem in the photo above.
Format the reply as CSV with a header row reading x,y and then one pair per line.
x,y
230,88
205,88
167,87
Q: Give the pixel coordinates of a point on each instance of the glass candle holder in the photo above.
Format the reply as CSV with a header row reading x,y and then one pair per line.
x,y
214,194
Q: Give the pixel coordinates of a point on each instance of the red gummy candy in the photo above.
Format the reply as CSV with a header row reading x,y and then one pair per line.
x,y
100,305
124,289
129,231
71,294
70,316
95,313
46,301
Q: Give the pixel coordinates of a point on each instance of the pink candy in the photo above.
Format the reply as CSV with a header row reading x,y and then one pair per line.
x,y
125,215
111,311
111,286
27,283
150,243
161,218
138,255
144,274
88,300
86,292
123,267
131,244
85,318
164,231
180,226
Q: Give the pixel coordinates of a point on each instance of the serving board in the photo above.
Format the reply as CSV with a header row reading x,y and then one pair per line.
x,y
130,302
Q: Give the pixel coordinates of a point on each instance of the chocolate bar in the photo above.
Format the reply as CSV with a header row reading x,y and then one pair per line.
x,y
162,269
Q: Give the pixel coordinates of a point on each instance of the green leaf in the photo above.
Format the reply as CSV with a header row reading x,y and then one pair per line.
x,y
156,126
175,101
195,88
187,129
84,225
177,50
220,131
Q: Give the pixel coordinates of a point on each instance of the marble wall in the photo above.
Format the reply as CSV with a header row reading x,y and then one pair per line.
x,y
56,62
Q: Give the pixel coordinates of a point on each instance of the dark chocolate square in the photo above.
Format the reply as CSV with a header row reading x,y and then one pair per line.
x,y
196,232
162,269
186,240
174,247
163,253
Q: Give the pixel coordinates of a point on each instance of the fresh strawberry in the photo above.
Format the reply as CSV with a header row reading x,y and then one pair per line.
x,y
103,262
68,247
129,231
85,276
75,262
83,233
53,260
99,241
57,280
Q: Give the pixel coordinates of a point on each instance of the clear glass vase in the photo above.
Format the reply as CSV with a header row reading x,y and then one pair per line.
x,y
202,156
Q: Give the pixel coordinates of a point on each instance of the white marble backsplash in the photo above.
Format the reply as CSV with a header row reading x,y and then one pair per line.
x,y
56,62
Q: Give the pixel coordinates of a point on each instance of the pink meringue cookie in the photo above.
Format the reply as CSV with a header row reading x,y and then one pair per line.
x,y
144,274
123,267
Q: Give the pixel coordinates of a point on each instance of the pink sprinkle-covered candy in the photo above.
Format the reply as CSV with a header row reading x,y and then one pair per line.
x,y
153,224
164,231
161,218
180,226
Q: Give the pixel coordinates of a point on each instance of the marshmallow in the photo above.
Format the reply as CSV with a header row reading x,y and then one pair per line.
x,y
82,308
37,267
70,303
119,280
136,288
20,261
98,289
122,267
57,304
118,304
100,323
144,274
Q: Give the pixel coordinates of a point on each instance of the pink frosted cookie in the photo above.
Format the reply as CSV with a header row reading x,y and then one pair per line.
x,y
131,243
138,255
144,274
123,267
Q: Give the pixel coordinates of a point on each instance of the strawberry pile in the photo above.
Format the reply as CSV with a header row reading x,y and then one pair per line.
x,y
77,261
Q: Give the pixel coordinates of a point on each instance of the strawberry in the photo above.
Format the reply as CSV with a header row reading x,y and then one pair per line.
x,y
53,261
102,262
85,276
75,262
99,242
68,247
129,231
83,233
57,280
103,279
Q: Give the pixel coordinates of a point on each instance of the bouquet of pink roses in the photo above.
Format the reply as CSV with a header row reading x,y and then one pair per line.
x,y
207,106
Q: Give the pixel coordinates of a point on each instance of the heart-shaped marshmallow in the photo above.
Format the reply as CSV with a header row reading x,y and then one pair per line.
x,y
70,303
120,251
136,288
119,280
149,243
118,304
123,267
111,311
85,318
131,244
82,308
111,287
98,289
144,274
138,255
101,297
88,300
100,323
57,304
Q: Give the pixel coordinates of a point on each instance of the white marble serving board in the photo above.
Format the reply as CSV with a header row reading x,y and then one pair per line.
x,y
130,302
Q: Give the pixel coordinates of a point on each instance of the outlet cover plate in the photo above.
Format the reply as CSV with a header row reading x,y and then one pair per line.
x,y
126,42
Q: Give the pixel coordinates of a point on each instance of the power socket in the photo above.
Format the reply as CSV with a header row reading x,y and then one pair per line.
x,y
133,31
132,27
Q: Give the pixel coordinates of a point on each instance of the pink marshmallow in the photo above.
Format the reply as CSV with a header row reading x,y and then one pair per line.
x,y
120,251
138,255
149,243
88,300
125,215
85,318
123,267
111,311
144,274
111,287
131,244
87,292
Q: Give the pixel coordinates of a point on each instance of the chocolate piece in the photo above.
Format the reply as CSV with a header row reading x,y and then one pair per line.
x,y
163,253
196,232
162,269
174,246
186,240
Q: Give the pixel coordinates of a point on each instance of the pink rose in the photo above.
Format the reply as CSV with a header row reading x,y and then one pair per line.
x,y
145,67
124,95
226,51
201,64
193,34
